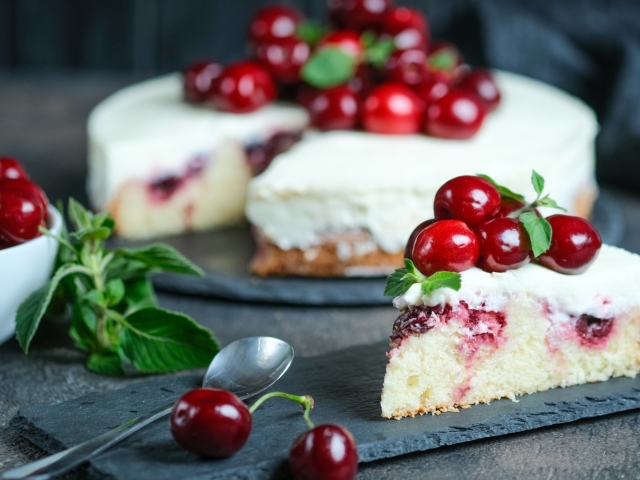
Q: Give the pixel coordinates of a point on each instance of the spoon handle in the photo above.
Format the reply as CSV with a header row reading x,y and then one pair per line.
x,y
60,462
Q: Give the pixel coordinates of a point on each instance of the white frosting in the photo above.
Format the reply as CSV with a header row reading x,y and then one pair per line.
x,y
147,130
611,285
341,181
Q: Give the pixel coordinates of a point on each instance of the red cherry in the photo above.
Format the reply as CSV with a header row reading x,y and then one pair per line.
x,y
408,249
481,82
508,206
457,115
11,168
432,88
408,67
408,27
210,422
363,80
346,40
358,15
25,185
446,245
20,216
334,108
504,245
470,199
574,245
244,87
200,80
392,108
272,23
326,452
284,58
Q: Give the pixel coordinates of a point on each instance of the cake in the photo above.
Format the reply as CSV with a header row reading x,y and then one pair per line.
x,y
163,166
512,333
381,120
344,203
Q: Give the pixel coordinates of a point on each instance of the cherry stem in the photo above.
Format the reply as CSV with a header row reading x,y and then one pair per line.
x,y
305,400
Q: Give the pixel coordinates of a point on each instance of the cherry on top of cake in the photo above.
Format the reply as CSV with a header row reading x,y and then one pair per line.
x,y
479,223
374,67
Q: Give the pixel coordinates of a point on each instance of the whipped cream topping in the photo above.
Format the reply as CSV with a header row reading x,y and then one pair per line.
x,y
610,286
385,184
147,131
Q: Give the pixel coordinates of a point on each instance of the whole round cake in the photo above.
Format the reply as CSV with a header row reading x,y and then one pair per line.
x,y
365,157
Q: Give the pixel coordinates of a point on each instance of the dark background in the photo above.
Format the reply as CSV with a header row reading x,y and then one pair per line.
x,y
590,48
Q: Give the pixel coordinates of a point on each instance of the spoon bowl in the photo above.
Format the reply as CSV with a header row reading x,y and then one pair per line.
x,y
249,366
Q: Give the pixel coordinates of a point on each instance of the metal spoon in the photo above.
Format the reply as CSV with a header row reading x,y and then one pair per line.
x,y
245,367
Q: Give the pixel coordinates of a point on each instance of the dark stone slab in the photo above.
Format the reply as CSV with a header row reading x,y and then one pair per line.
x,y
225,256
346,386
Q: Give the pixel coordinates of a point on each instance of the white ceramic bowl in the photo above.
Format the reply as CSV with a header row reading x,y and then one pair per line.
x,y
23,269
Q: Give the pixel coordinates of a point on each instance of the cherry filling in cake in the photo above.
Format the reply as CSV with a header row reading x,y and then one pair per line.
x,y
165,187
594,331
260,154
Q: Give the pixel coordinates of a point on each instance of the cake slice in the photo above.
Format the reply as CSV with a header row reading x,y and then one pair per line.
x,y
515,332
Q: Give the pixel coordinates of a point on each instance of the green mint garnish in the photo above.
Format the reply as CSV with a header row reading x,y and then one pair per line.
x,y
310,32
539,230
328,67
114,312
403,278
505,193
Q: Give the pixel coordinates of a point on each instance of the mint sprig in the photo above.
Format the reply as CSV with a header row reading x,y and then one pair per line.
x,y
114,312
403,278
310,32
539,229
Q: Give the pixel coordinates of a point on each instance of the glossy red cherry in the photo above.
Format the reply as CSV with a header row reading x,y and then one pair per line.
x,y
574,245
20,216
244,87
358,15
11,168
334,108
346,40
481,82
470,199
284,58
446,245
392,108
432,88
199,80
457,115
408,27
326,452
504,245
272,23
210,422
408,249
363,80
408,67
25,185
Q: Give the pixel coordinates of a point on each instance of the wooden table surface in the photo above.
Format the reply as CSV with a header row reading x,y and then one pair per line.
x,y
42,122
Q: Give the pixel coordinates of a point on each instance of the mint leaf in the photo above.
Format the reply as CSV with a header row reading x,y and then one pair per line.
x,y
378,53
442,280
96,297
504,191
83,326
105,363
310,32
445,59
31,311
401,280
126,269
162,258
539,231
139,295
92,234
158,341
549,202
537,181
80,216
328,67
115,292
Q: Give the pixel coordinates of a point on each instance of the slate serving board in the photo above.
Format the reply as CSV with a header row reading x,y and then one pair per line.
x,y
346,388
225,254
